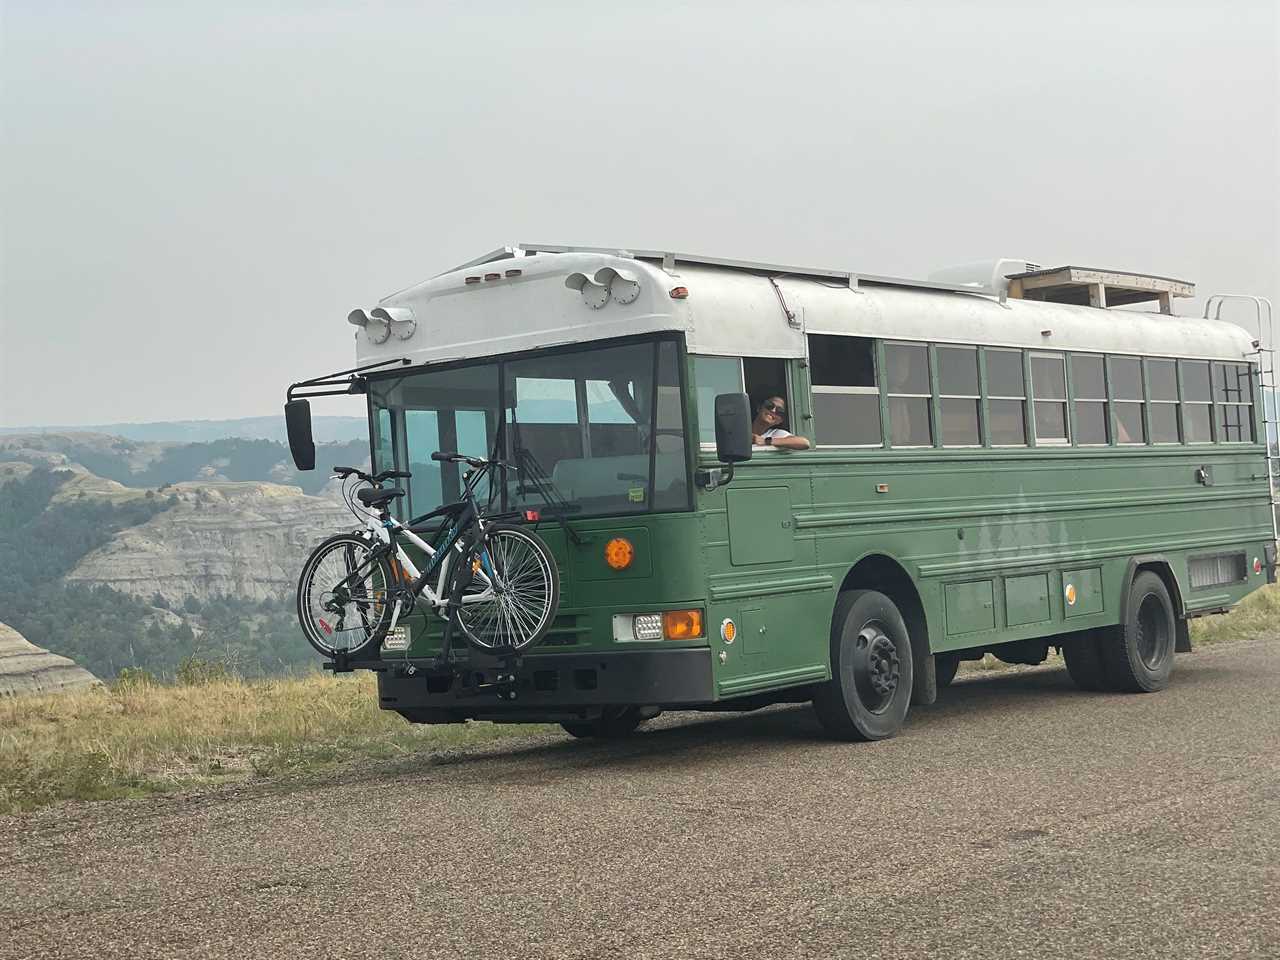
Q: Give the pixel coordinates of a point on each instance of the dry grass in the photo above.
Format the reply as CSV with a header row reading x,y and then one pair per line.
x,y
137,738
1257,615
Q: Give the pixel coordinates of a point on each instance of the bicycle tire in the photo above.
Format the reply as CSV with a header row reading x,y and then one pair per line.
x,y
499,627
324,627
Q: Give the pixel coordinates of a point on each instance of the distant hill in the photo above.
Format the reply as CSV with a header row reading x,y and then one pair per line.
x,y
119,577
324,429
158,463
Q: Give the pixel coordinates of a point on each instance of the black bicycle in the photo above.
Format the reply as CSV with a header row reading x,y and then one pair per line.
x,y
493,581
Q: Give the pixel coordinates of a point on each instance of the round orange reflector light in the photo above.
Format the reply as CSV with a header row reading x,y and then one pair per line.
x,y
619,552
728,631
682,624
1071,594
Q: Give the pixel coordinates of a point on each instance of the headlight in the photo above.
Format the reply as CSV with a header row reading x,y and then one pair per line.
x,y
647,626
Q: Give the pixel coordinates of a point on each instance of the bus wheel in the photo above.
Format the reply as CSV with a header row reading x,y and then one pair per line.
x,y
945,666
614,723
1083,656
1138,654
871,669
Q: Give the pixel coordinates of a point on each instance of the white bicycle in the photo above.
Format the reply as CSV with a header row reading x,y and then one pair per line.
x,y
491,580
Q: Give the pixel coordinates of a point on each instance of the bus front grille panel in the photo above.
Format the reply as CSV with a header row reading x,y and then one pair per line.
x,y
565,632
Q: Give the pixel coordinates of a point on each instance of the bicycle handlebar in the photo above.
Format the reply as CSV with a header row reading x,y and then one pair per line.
x,y
345,472
448,456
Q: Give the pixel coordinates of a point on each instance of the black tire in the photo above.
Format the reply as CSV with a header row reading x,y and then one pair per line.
x,y
1138,654
1083,656
945,666
616,723
482,624
323,617
871,669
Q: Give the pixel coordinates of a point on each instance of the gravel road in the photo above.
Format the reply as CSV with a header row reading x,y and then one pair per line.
x,y
1016,817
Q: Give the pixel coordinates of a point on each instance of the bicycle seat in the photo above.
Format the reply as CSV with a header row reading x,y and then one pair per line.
x,y
378,498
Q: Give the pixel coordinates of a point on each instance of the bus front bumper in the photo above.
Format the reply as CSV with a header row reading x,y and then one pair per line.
x,y
544,686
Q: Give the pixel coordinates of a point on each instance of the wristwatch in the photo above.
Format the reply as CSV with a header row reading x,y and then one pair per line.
x,y
768,441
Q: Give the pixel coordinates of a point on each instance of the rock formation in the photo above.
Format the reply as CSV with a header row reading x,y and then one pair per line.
x,y
246,540
26,668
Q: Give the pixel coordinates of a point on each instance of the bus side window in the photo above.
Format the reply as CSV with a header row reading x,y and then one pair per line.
x,y
1125,375
846,393
712,376
959,400
910,394
1006,397
1233,394
766,377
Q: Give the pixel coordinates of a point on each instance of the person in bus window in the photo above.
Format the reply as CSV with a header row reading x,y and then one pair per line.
x,y
766,429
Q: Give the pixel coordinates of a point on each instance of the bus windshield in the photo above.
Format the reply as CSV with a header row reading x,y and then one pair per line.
x,y
603,423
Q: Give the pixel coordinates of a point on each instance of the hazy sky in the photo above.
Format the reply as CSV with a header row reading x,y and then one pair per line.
x,y
195,195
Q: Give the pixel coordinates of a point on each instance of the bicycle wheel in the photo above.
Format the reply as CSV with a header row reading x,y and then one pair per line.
x,y
517,609
342,596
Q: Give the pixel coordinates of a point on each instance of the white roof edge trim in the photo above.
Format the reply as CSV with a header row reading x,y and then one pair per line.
x,y
849,277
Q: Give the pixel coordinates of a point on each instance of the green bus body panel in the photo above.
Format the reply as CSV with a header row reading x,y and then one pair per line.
x,y
590,566
989,538
1089,591
1026,599
970,607
760,525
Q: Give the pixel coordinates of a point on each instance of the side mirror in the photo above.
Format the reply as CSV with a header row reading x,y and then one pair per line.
x,y
733,427
297,419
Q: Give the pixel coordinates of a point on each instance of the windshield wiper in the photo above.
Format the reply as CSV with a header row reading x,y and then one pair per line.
x,y
532,478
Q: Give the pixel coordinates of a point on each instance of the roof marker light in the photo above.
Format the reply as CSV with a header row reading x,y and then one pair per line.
x,y
471,280
679,293
514,273
493,276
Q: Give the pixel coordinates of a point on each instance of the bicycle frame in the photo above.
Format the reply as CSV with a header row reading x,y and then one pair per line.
x,y
390,531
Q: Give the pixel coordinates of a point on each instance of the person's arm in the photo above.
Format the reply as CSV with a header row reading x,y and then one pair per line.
x,y
790,442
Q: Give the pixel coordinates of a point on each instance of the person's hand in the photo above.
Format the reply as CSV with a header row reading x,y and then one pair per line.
x,y
757,440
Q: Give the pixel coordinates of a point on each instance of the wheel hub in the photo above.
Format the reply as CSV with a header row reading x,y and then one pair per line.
x,y
877,668
883,665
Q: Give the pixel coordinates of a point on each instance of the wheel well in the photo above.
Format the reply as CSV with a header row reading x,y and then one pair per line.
x,y
886,575
1162,569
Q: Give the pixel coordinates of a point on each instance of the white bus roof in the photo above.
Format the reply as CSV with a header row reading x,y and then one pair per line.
x,y
538,295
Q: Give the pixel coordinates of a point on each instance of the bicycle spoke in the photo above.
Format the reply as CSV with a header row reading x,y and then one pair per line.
x,y
345,598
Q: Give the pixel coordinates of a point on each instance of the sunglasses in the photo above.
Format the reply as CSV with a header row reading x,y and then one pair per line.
x,y
774,408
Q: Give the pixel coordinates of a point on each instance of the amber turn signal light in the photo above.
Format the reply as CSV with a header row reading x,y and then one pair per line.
x,y
682,624
619,552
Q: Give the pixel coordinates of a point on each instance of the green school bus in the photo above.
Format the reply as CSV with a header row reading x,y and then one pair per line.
x,y
996,461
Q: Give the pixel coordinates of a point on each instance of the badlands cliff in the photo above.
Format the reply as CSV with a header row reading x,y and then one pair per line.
x,y
26,668
246,540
